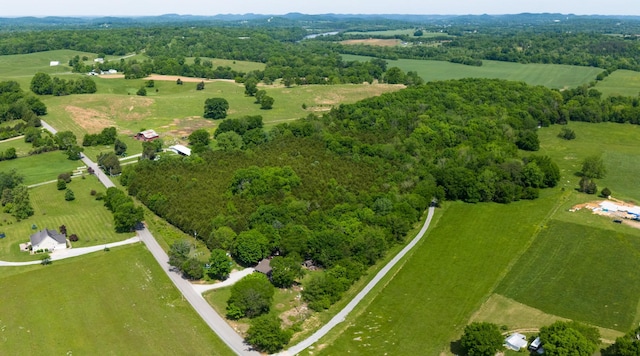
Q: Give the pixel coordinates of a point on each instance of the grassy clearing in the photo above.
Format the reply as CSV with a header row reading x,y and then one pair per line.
x,y
581,273
618,145
550,75
407,32
620,82
22,148
41,168
22,67
427,303
116,303
84,216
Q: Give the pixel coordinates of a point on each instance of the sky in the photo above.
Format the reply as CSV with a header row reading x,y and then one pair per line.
x,y
41,8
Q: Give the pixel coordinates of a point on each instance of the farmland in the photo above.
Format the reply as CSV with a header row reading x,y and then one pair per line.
x,y
620,82
118,302
550,75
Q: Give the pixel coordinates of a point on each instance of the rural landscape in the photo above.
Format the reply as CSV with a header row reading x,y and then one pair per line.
x,y
320,185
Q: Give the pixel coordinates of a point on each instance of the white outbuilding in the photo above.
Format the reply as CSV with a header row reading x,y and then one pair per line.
x,y
516,342
181,150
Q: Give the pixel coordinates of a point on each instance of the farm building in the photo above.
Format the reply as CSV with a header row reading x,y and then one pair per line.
x,y
516,342
48,240
181,150
54,63
146,135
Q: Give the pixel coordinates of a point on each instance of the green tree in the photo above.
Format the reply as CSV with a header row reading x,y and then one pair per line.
x,y
266,334
229,141
74,152
567,134
260,94
142,92
110,163
200,86
219,265
251,296
45,259
221,238
569,338
21,204
285,270
62,184
593,167
127,216
250,247
42,84
199,140
119,147
150,83
179,253
10,153
68,195
587,185
481,339
192,268
394,75
251,86
627,345
66,139
266,102
150,149
605,193
216,108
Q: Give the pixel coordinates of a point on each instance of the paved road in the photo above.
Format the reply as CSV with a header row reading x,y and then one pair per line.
x,y
338,318
88,162
215,321
73,252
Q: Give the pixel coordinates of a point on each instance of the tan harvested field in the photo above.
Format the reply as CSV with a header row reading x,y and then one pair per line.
x,y
169,78
374,42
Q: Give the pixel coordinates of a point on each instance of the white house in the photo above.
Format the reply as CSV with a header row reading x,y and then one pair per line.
x,y
49,240
181,150
54,63
516,342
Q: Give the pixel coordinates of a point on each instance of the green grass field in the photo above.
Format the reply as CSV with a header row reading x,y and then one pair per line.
x,y
554,76
22,148
580,272
40,168
620,82
84,216
407,32
109,303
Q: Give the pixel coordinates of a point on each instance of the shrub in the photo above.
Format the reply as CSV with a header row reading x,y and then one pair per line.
x,y
69,196
73,238
93,192
62,185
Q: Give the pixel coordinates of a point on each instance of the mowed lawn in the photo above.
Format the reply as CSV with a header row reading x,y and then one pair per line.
x,y
582,273
108,303
40,168
86,217
428,302
555,76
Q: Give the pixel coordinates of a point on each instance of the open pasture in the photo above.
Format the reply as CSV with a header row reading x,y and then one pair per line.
x,y
405,32
580,272
620,82
22,148
21,67
86,217
118,303
554,76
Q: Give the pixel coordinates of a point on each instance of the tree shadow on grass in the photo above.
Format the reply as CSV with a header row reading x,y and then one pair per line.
x,y
456,348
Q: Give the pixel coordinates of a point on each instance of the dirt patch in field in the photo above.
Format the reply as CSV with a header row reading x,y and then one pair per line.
x,y
325,101
174,78
93,121
111,76
182,128
620,215
374,42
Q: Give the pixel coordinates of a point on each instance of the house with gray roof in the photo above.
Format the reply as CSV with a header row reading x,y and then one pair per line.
x,y
49,240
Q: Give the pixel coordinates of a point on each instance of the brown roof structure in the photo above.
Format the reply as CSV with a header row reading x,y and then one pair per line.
x,y
264,266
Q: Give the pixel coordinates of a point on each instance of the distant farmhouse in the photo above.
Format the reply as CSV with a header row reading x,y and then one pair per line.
x,y
54,63
146,135
48,240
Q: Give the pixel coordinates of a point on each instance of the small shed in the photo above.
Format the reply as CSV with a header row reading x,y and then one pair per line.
x,y
181,150
516,342
264,267
48,240
146,135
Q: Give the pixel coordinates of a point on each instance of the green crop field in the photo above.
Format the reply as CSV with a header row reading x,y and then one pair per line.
x,y
620,82
554,76
86,217
117,303
582,273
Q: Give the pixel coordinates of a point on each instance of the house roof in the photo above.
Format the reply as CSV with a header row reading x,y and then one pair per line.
x,y
148,133
264,266
516,341
39,236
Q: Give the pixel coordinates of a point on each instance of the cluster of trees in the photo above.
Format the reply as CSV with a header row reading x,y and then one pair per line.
x,y
44,84
17,105
627,345
592,168
15,196
8,154
341,189
110,163
559,338
216,108
126,216
265,101
107,136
